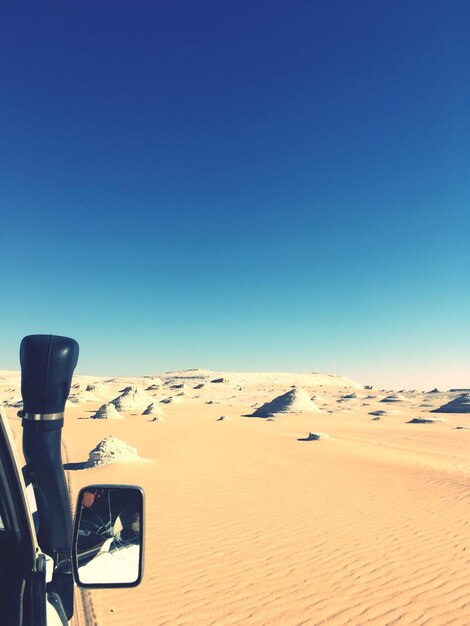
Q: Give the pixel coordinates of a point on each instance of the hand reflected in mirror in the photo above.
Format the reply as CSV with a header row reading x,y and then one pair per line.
x,y
107,549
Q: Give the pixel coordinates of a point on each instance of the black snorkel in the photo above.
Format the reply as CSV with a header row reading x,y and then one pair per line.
x,y
47,365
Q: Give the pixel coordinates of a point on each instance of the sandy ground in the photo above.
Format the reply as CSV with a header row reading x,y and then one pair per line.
x,y
247,525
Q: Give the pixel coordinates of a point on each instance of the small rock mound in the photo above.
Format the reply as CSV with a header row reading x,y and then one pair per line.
x,y
94,387
172,400
153,410
424,420
378,413
132,399
461,404
314,437
199,386
294,401
222,418
15,402
394,397
112,450
107,412
219,380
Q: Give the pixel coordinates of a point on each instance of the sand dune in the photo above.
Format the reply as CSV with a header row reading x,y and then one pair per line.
x,y
248,526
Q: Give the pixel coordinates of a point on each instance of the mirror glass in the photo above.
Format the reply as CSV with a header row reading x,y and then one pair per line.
x,y
107,547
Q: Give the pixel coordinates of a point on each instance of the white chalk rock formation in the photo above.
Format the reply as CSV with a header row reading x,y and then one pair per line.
x,y
15,402
132,399
394,397
294,401
315,437
153,410
95,387
424,420
172,400
461,404
112,450
107,412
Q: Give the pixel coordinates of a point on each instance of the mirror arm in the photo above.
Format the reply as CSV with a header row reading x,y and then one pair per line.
x,y
63,562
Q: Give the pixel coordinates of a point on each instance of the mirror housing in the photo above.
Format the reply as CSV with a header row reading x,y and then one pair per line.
x,y
107,545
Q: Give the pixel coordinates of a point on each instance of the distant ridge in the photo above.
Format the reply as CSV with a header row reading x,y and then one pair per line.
x,y
302,379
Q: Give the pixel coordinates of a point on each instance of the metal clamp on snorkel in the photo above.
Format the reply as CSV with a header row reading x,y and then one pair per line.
x,y
47,365
42,417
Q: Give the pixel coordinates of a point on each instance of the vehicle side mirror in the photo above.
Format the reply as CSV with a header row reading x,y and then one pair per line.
x,y
107,548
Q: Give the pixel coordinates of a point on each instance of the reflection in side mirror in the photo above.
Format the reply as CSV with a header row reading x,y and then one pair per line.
x,y
107,545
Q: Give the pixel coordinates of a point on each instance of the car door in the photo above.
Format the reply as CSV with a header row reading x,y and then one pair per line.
x,y
22,566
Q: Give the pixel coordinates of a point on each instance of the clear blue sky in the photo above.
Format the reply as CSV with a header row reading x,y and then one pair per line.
x,y
239,185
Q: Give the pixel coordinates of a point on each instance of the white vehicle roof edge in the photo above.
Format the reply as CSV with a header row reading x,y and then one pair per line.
x,y
5,426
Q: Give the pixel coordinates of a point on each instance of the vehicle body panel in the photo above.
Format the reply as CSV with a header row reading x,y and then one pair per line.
x,y
20,526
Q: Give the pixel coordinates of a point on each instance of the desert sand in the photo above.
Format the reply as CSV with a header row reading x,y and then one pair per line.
x,y
350,513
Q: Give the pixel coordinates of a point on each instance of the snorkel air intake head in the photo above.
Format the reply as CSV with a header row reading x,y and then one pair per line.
x,y
47,365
